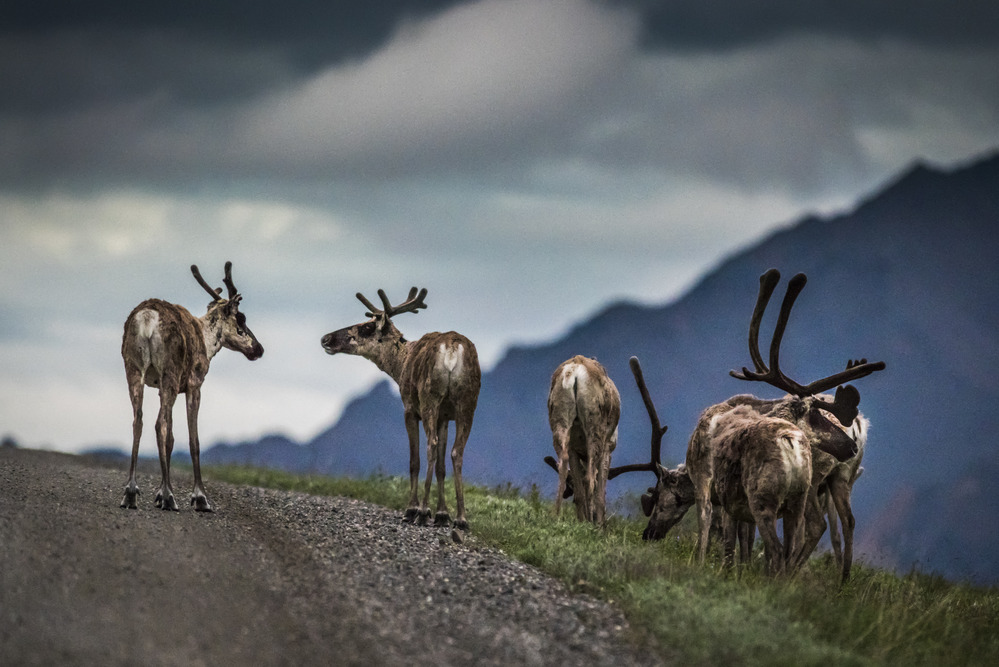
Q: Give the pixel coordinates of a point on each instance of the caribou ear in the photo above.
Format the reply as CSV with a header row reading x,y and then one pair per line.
x,y
845,405
647,504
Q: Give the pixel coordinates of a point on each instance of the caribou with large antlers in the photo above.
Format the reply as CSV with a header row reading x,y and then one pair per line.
x,y
804,407
166,347
438,377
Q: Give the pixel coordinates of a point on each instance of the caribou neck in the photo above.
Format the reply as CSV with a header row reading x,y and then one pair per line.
x,y
211,330
391,357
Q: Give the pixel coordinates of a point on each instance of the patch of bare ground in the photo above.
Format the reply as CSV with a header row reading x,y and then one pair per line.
x,y
270,577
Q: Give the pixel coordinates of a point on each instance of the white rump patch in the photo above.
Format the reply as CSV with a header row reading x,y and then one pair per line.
x,y
573,375
450,358
149,343
147,322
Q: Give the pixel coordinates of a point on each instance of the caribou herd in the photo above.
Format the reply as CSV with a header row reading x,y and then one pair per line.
x,y
750,462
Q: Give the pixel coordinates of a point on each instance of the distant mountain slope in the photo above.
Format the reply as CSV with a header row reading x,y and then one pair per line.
x,y
908,277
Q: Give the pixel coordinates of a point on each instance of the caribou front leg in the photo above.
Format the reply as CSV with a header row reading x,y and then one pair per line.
x,y
198,496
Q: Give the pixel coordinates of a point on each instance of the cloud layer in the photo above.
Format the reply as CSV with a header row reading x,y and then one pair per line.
x,y
526,161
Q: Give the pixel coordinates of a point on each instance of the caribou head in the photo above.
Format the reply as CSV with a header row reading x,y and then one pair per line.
x,y
231,332
367,339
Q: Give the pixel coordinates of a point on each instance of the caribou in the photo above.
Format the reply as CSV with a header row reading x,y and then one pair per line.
x,y
166,347
438,377
822,421
566,489
583,411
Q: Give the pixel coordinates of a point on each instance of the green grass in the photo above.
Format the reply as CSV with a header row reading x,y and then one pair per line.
x,y
706,615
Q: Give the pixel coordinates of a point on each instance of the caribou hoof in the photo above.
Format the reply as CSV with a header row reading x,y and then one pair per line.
x,y
201,504
461,525
412,514
442,520
423,518
131,496
168,503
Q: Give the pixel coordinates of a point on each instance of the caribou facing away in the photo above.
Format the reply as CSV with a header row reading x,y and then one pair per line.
x,y
438,377
166,347
757,469
567,489
583,411
804,407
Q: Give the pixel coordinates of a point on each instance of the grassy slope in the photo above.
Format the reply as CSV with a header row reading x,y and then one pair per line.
x,y
703,615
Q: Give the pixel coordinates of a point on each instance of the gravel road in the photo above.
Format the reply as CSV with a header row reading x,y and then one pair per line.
x,y
269,578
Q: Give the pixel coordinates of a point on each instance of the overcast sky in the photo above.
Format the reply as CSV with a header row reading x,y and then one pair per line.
x,y
526,161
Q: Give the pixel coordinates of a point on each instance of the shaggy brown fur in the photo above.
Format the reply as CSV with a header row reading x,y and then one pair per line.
x,y
166,347
439,380
583,411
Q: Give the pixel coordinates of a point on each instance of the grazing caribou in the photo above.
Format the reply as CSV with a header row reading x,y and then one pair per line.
x,y
583,411
438,377
166,347
658,431
820,419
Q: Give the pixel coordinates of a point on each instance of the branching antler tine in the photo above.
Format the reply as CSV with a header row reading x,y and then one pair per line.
x,y
228,281
386,304
631,467
768,283
854,372
657,429
372,311
205,285
778,379
413,303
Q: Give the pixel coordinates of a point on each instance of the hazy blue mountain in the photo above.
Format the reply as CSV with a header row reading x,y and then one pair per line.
x,y
908,277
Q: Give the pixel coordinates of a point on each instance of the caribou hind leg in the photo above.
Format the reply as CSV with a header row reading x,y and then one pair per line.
x,y
164,442
462,429
199,499
430,428
442,517
135,390
413,433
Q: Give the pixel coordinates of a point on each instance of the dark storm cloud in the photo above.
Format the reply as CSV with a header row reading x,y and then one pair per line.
x,y
722,24
315,32
155,92
318,32
117,98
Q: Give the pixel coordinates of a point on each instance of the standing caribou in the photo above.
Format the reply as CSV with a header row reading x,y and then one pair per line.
x,y
438,377
583,411
166,347
804,407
